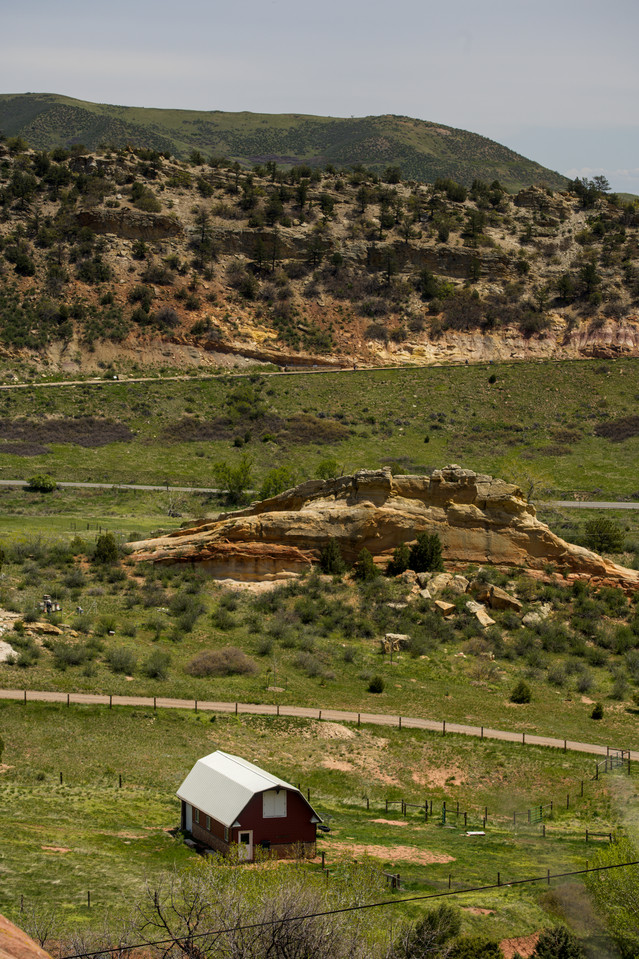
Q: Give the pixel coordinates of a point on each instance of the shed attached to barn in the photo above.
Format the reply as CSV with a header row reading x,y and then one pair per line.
x,y
228,802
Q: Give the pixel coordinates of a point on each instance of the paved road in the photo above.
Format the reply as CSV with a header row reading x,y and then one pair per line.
x,y
571,504
307,712
586,504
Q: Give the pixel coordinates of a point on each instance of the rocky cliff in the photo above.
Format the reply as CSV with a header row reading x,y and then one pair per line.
x,y
480,520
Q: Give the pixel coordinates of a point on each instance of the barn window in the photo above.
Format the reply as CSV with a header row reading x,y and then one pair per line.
x,y
274,803
196,815
208,823
226,834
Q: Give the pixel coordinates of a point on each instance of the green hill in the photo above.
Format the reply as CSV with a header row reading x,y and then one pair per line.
x,y
423,150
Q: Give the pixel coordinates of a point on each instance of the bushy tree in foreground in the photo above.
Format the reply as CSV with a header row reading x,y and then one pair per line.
x,y
426,555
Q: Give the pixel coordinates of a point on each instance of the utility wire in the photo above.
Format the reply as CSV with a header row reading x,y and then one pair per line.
x,y
335,912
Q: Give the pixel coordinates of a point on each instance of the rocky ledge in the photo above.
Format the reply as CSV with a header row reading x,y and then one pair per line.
x,y
480,521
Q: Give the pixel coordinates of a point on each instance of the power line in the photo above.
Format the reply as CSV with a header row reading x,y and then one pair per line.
x,y
344,909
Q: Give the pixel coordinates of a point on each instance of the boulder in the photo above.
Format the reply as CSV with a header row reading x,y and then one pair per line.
x,y
6,651
480,614
395,642
42,627
479,520
495,597
446,609
16,944
538,615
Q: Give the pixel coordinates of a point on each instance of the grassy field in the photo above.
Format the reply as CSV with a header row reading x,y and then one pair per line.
x,y
58,841
534,424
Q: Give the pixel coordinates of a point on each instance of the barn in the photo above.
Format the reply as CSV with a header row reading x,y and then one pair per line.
x,y
228,802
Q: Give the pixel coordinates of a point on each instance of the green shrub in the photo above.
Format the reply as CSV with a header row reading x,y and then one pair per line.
x,y
365,568
157,665
597,711
42,483
558,943
399,561
604,535
106,549
331,560
521,693
121,660
376,685
426,555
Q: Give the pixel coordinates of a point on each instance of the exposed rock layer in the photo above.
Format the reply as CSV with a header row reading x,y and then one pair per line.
x,y
480,520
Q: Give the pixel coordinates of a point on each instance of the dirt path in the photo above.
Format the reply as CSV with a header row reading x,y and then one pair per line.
x,y
308,712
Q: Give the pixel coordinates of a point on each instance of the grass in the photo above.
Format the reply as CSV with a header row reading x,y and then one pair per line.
x,y
535,425
118,837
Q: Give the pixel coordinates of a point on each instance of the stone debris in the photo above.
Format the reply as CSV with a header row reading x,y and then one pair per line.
x,y
496,598
395,642
480,614
6,651
536,616
446,609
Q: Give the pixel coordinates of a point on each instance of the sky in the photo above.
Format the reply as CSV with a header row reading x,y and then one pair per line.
x,y
555,80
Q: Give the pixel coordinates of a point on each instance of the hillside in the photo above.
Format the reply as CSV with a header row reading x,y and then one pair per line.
x,y
131,258
423,150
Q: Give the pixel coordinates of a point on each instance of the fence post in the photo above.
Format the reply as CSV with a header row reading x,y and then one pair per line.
x,y
25,697
457,809
586,835
368,804
155,704
88,898
523,739
548,874
319,714
308,793
110,701
430,811
499,879
443,725
21,903
514,819
60,778
277,709
120,781
543,830
196,705
400,722
568,801
387,805
68,699
628,762
465,820
485,813
529,817
582,787
359,719
565,745
482,733
450,879
551,805
322,858
596,770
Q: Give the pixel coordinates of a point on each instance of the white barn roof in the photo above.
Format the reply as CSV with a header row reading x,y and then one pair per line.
x,y
221,785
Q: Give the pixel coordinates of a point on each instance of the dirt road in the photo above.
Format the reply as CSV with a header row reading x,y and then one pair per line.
x,y
308,712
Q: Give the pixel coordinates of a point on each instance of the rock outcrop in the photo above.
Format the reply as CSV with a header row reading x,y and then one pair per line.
x,y
16,944
480,520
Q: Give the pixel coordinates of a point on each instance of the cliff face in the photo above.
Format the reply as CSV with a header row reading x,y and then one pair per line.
x,y
480,520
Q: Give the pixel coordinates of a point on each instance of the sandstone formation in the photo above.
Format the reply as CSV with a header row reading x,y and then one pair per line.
x,y
480,520
16,944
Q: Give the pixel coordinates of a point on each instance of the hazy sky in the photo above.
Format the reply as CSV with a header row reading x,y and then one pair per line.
x,y
557,81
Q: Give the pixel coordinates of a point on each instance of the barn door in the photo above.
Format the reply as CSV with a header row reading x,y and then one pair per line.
x,y
189,817
245,845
